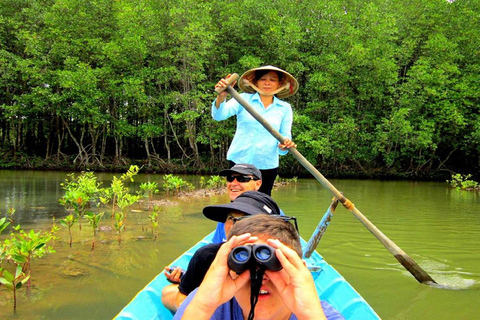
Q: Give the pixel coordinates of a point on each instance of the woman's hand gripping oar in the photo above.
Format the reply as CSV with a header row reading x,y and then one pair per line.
x,y
421,275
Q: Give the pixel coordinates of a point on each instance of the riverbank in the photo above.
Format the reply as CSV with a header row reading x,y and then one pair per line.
x,y
289,167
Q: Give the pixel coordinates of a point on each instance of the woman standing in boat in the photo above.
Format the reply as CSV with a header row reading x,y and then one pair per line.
x,y
263,88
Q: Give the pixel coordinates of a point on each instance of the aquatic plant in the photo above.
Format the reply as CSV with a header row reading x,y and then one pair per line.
x,y
153,217
149,189
23,246
3,224
14,282
175,184
118,194
10,213
171,183
125,200
68,222
80,193
215,182
94,220
119,225
53,230
84,191
286,180
462,182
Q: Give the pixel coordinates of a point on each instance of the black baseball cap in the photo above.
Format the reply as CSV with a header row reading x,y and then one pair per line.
x,y
249,202
242,168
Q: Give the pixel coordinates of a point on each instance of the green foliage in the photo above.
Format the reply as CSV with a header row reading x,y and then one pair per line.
x,y
311,139
14,282
53,230
10,213
119,225
215,182
175,184
118,195
84,191
20,249
68,222
125,200
94,220
80,193
463,182
398,138
149,189
3,224
153,217
23,246
92,85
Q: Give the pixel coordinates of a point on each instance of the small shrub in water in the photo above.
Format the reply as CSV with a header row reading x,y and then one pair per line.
x,y
462,182
94,220
68,222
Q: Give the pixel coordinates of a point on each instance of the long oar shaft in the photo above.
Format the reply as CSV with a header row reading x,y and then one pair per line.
x,y
421,275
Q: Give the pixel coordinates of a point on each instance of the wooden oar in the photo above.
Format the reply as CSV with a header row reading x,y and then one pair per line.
x,y
320,230
421,275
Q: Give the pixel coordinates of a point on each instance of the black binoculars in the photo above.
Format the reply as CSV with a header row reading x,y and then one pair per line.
x,y
243,257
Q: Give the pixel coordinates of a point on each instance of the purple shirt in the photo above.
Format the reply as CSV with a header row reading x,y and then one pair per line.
x,y
226,310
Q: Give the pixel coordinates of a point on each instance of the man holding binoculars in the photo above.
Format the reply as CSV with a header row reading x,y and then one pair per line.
x,y
247,203
258,274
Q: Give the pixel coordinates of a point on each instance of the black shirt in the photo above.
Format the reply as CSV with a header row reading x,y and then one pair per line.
x,y
198,267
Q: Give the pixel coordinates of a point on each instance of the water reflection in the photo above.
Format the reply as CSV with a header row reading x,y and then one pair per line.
x,y
436,225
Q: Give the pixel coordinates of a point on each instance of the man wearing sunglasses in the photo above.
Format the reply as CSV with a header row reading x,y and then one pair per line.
x,y
241,177
247,204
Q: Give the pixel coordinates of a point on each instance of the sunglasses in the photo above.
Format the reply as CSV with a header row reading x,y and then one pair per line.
x,y
240,179
292,220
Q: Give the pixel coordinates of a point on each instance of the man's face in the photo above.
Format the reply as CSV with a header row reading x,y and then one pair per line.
x,y
270,305
236,188
229,222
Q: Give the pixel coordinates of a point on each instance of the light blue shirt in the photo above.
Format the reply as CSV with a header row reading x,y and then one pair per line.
x,y
252,143
219,236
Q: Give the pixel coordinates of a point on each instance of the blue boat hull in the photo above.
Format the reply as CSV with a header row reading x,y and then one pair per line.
x,y
333,288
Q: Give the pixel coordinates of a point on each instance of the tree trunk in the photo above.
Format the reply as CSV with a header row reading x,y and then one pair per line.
x,y
104,143
60,137
147,150
81,151
165,138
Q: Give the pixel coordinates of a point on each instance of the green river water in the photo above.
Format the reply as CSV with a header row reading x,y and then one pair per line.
x,y
437,226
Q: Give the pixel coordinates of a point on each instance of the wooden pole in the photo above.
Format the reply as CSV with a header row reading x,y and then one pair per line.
x,y
320,230
421,275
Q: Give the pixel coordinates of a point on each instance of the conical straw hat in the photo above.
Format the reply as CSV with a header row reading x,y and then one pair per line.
x,y
248,78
